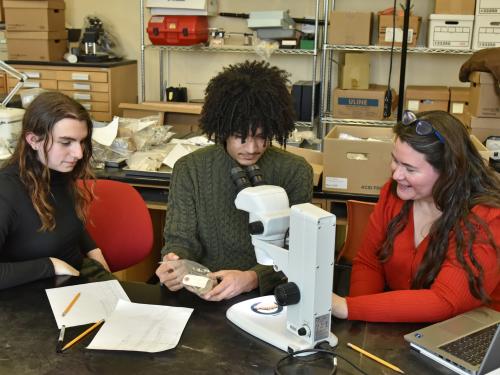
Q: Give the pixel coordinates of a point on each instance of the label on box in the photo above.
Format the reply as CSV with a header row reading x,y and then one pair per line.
x,y
413,105
336,183
398,38
358,102
457,108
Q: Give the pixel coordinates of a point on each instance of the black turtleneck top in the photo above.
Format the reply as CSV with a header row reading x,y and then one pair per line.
x,y
24,249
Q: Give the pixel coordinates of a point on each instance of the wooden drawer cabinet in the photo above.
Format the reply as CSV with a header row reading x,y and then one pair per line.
x,y
3,83
100,89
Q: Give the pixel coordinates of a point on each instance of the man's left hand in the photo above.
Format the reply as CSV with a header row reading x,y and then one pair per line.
x,y
231,284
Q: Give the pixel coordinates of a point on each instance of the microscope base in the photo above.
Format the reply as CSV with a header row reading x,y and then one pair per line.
x,y
269,325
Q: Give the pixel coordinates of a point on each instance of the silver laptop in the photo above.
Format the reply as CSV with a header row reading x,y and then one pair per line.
x,y
468,344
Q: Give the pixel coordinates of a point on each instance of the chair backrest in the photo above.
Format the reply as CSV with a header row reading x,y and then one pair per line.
x,y
120,224
358,213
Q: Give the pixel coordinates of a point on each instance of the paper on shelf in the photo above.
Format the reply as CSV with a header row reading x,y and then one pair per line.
x,y
143,328
107,134
97,301
177,152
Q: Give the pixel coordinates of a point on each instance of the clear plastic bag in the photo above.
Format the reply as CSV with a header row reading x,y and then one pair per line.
x,y
196,277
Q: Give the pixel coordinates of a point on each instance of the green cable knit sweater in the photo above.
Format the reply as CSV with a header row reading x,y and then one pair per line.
x,y
203,223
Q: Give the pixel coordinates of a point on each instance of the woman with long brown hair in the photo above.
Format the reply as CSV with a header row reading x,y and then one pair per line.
x,y
431,248
42,211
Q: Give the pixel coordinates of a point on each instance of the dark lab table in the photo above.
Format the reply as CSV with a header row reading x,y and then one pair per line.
x,y
209,344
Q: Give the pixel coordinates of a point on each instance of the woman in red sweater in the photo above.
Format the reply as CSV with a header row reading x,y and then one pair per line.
x,y
432,246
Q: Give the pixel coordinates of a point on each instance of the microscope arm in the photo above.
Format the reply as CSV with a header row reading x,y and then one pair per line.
x,y
269,254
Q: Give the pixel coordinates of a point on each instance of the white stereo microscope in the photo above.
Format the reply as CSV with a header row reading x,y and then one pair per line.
x,y
298,316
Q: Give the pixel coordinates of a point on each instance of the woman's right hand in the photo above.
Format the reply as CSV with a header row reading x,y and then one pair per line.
x,y
63,268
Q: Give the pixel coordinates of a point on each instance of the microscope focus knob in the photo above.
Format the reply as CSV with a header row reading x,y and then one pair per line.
x,y
256,227
302,331
287,294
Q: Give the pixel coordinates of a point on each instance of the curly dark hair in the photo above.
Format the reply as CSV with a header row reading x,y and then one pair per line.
x,y
245,97
46,110
464,181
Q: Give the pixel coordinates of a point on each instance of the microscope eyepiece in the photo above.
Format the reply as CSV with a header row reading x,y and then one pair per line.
x,y
255,175
239,178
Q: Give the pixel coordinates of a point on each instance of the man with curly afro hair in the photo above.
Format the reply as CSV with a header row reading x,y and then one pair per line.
x,y
247,105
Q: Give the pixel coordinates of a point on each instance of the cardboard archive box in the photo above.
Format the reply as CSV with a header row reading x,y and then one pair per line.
x,y
450,31
427,98
37,45
484,127
484,101
47,15
314,158
385,30
459,104
357,166
454,6
486,31
350,28
361,104
355,71
487,7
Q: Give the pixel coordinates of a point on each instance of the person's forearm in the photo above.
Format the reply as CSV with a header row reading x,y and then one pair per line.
x,y
97,255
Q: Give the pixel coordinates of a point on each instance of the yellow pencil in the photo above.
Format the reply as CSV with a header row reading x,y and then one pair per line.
x,y
82,335
374,357
70,305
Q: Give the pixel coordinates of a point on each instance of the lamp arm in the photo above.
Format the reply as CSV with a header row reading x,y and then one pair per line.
x,y
21,77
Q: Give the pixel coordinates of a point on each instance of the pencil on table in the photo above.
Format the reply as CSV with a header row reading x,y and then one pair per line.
x,y
82,335
70,305
374,357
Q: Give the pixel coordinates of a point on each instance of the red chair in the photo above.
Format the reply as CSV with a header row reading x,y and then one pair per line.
x,y
358,213
120,224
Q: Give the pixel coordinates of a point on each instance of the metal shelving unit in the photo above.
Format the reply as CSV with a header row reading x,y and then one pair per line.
x,y
229,49
163,52
326,117
418,49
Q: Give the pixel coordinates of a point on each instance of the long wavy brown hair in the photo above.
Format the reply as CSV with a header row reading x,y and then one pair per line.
x,y
464,181
42,114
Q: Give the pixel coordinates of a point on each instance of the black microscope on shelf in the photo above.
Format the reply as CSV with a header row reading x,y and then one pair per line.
x,y
94,42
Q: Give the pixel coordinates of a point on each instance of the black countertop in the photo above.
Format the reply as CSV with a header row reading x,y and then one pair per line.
x,y
209,343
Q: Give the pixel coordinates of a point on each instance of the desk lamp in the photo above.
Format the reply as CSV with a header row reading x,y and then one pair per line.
x,y
10,118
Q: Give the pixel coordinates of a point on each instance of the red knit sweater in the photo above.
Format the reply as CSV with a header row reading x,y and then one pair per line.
x,y
381,292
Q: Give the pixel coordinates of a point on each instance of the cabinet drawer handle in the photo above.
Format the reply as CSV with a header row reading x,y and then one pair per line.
x,y
33,74
81,86
81,96
80,76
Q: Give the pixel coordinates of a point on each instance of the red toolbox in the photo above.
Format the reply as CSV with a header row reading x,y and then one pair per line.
x,y
178,30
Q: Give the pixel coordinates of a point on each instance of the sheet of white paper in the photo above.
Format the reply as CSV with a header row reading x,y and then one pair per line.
x,y
142,328
107,134
177,152
97,301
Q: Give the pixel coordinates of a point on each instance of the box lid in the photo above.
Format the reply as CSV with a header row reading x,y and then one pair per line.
x,y
427,92
481,77
459,94
45,4
452,17
38,35
370,134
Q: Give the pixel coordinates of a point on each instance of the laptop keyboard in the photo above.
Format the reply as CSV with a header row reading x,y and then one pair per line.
x,y
472,348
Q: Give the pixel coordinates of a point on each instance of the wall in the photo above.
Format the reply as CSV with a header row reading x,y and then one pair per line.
x,y
195,69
